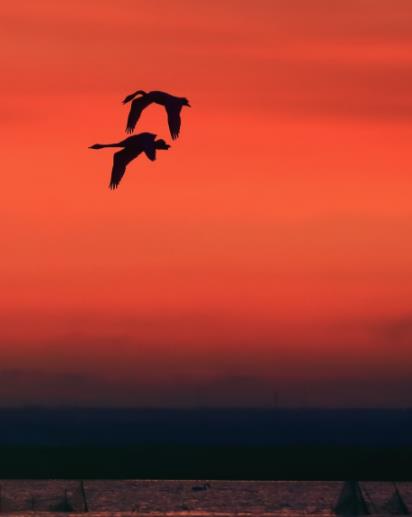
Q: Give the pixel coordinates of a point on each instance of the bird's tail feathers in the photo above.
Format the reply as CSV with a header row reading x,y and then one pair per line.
x,y
132,96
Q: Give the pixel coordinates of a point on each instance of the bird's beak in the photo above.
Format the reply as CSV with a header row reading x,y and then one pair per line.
x,y
188,105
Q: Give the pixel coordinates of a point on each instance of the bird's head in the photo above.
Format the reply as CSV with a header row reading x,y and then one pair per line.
x,y
185,102
161,144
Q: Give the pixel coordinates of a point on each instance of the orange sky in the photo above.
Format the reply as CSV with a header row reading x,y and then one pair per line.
x,y
269,249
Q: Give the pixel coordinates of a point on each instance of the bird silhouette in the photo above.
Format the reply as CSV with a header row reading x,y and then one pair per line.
x,y
133,146
172,104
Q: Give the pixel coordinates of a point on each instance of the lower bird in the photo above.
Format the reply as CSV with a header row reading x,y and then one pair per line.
x,y
133,146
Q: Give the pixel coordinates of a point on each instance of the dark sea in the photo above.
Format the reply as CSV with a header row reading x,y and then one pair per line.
x,y
46,452
205,426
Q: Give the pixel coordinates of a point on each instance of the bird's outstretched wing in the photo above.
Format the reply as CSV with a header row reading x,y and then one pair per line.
x,y
120,161
138,105
173,119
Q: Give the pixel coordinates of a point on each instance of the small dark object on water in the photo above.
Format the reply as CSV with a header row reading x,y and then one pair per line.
x,y
201,488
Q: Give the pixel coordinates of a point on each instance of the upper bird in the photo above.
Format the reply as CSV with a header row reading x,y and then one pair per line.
x,y
172,104
133,146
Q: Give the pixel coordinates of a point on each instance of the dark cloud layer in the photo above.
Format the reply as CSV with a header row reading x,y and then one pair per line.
x,y
41,388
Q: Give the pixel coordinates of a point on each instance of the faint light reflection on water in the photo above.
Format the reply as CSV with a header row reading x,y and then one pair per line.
x,y
177,498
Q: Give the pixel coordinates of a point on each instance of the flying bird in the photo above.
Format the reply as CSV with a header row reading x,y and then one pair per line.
x,y
133,146
172,104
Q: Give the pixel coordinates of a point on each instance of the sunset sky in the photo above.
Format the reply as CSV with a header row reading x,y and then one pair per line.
x,y
269,250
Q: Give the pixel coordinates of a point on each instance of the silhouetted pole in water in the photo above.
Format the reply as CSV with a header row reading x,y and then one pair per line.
x,y
395,505
67,506
351,500
64,505
83,492
370,500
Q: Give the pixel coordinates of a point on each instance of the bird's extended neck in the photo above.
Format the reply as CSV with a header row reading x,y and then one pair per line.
x,y
101,146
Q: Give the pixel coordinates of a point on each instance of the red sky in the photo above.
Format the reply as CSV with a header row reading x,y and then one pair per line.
x,y
268,250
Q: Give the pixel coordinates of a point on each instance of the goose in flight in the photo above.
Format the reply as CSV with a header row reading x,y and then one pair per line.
x,y
172,104
132,147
